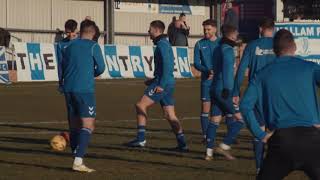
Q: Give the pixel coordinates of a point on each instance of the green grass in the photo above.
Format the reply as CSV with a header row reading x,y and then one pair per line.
x,y
31,113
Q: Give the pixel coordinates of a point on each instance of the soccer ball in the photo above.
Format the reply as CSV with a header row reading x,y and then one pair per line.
x,y
58,143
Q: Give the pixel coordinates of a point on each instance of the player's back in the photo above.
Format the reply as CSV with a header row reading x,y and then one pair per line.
x,y
223,65
262,54
59,48
217,65
289,92
78,66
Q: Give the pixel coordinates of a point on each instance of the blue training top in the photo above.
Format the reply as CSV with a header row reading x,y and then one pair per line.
x,y
256,55
60,46
163,62
204,57
223,68
82,61
286,92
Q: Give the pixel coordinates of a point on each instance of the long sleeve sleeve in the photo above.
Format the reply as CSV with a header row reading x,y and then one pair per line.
x,y
164,51
197,59
98,60
228,68
59,64
247,104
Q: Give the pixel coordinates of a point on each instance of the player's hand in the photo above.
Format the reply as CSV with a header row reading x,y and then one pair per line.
x,y
225,94
210,76
267,137
236,100
317,126
158,89
60,89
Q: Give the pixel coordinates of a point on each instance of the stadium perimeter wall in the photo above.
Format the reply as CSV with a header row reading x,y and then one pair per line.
x,y
131,18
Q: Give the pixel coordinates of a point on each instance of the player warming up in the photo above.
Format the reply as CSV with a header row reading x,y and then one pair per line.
x,y
160,89
257,54
222,88
287,93
71,29
82,62
203,61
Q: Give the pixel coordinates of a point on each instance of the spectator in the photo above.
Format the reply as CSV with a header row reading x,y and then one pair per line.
x,y
231,17
171,29
181,32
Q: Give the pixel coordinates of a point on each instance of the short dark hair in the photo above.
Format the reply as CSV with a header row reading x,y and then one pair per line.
x,y
97,35
283,40
71,25
158,24
227,29
182,14
266,23
86,24
210,22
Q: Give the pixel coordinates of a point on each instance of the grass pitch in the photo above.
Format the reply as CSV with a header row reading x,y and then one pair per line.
x,y
31,113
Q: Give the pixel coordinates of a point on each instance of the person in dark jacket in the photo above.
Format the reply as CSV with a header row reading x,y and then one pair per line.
x,y
182,31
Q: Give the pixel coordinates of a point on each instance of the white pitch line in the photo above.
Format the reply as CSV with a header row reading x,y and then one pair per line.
x,y
109,132
97,121
63,122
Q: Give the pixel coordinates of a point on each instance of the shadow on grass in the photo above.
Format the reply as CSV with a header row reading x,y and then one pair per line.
x,y
110,157
122,147
33,127
36,165
24,140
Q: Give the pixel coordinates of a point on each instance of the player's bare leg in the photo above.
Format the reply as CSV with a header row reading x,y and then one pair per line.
x,y
141,110
88,125
170,115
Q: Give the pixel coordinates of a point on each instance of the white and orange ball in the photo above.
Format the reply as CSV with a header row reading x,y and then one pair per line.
x,y
58,143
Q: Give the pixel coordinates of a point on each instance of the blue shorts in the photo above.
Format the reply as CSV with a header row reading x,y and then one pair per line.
x,y
221,106
82,105
165,97
205,92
